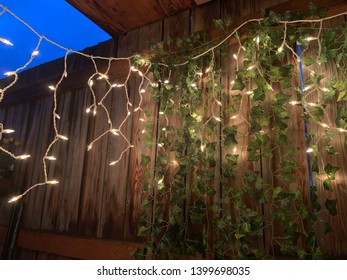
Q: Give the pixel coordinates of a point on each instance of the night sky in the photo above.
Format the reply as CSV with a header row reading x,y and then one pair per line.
x,y
56,19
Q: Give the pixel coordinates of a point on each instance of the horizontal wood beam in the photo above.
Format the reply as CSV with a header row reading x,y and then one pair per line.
x,y
73,246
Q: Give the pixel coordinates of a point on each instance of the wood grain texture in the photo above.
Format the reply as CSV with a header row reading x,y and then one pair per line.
x,y
119,16
75,247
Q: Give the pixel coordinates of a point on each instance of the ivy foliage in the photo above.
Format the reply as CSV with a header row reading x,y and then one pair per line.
x,y
229,179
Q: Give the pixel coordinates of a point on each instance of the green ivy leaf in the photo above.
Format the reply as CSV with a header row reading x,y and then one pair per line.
x,y
330,205
327,228
330,170
315,167
145,160
308,61
142,231
238,84
276,191
232,159
331,150
327,184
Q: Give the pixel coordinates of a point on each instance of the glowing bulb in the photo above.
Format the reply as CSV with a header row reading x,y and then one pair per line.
x,y
308,87
219,103
52,182
90,83
324,125
308,39
249,92
23,157
262,131
325,89
208,69
51,87
143,131
94,112
8,131
142,120
294,102
129,113
154,85
13,199
62,137
251,67
280,49
57,116
102,76
161,180
115,131
309,150
232,82
160,145
194,85
217,119
131,146
142,90
132,68
130,104
88,110
199,73
202,148
50,158
136,109
90,146
166,81
257,39
233,117
161,113
6,42
235,56
140,74
234,150
35,53
342,130
9,73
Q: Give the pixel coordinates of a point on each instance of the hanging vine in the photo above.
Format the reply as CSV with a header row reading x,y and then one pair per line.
x,y
225,178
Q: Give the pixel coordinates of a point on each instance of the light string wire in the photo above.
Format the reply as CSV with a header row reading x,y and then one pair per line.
x,y
141,89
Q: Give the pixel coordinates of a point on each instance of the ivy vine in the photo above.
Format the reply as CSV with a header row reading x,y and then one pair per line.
x,y
224,179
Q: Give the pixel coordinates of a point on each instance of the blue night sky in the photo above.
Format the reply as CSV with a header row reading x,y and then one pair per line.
x,y
56,19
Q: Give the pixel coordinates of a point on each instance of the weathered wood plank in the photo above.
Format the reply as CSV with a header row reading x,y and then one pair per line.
x,y
76,247
135,194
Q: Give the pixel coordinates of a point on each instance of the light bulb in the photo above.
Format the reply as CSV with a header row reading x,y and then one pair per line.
x,y
142,90
90,146
90,83
114,131
52,182
50,158
6,42
23,157
9,73
51,87
309,150
8,131
280,49
13,199
251,67
35,53
217,119
62,137
235,56
88,110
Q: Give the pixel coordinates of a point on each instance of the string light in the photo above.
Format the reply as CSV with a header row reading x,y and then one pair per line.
x,y
309,150
5,41
8,131
123,84
9,73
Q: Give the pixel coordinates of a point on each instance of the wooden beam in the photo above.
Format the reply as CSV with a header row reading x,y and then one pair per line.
x,y
73,246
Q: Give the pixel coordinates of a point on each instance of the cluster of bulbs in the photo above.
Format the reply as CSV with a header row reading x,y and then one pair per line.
x,y
144,82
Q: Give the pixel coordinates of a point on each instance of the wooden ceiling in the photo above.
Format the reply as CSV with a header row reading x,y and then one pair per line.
x,y
121,16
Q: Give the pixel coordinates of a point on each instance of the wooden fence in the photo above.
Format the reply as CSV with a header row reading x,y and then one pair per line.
x,y
94,200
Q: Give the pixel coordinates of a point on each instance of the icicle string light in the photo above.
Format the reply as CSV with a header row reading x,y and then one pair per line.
x,y
144,82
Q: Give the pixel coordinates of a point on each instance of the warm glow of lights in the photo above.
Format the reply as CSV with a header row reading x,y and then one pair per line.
x,y
161,113
8,131
295,102
308,39
202,148
308,87
13,199
232,82
257,39
90,146
6,42
251,67
194,85
94,112
57,116
312,104
166,82
142,90
249,92
235,56
160,145
51,87
325,125
234,150
208,69
88,110
143,131
217,119
115,131
23,157
234,117
102,76
90,83
52,182
35,53
219,103
161,180
142,120
62,137
280,49
309,150
9,73
342,130
50,158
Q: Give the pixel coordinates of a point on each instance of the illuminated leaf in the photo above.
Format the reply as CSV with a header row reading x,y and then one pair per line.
x,y
330,170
